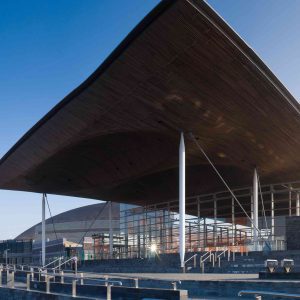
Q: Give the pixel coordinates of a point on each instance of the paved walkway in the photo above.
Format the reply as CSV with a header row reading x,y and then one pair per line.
x,y
180,276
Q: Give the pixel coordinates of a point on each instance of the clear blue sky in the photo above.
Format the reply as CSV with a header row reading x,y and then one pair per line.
x,y
47,48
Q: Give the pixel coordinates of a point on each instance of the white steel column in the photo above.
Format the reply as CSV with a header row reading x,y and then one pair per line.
x,y
272,214
199,226
111,237
43,230
233,222
290,200
255,209
252,215
182,200
297,205
215,221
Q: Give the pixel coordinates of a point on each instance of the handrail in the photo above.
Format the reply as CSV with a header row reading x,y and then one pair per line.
x,y
195,262
65,262
273,294
205,259
72,275
75,278
223,253
203,255
190,258
208,257
52,262
67,275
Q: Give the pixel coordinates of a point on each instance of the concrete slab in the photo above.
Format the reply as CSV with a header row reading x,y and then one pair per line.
x,y
179,276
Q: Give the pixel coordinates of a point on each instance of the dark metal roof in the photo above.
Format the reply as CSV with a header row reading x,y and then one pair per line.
x,y
85,214
116,136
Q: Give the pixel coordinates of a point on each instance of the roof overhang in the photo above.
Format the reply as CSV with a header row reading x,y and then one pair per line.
x,y
116,136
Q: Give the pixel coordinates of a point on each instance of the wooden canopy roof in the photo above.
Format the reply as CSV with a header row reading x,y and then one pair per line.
x,y
116,136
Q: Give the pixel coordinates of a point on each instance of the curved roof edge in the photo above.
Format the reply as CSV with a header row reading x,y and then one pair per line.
x,y
211,15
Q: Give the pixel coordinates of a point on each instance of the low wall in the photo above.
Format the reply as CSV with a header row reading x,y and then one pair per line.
x,y
230,288
293,233
117,292
17,294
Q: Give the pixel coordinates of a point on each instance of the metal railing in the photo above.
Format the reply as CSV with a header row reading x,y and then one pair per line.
x,y
192,257
258,294
203,259
223,253
35,273
73,259
53,262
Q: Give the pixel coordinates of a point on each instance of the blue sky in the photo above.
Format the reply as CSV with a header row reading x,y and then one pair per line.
x,y
47,48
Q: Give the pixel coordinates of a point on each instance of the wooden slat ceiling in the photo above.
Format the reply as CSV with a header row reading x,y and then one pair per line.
x,y
116,136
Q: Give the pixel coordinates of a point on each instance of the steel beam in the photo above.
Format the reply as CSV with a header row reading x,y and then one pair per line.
x,y
297,204
111,236
272,213
182,200
43,230
255,209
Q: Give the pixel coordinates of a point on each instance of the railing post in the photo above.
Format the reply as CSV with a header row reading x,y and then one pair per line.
x,y
233,255
219,261
13,279
47,279
32,274
28,281
62,279
74,288
81,278
108,291
213,261
136,283
0,277
203,267
54,275
195,261
228,255
59,264
174,283
76,265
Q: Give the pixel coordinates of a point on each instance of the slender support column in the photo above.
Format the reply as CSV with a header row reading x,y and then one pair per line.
x,y
144,222
182,200
272,214
255,209
252,215
126,233
204,234
138,237
199,227
297,205
215,221
232,221
146,237
43,230
169,239
290,200
111,236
